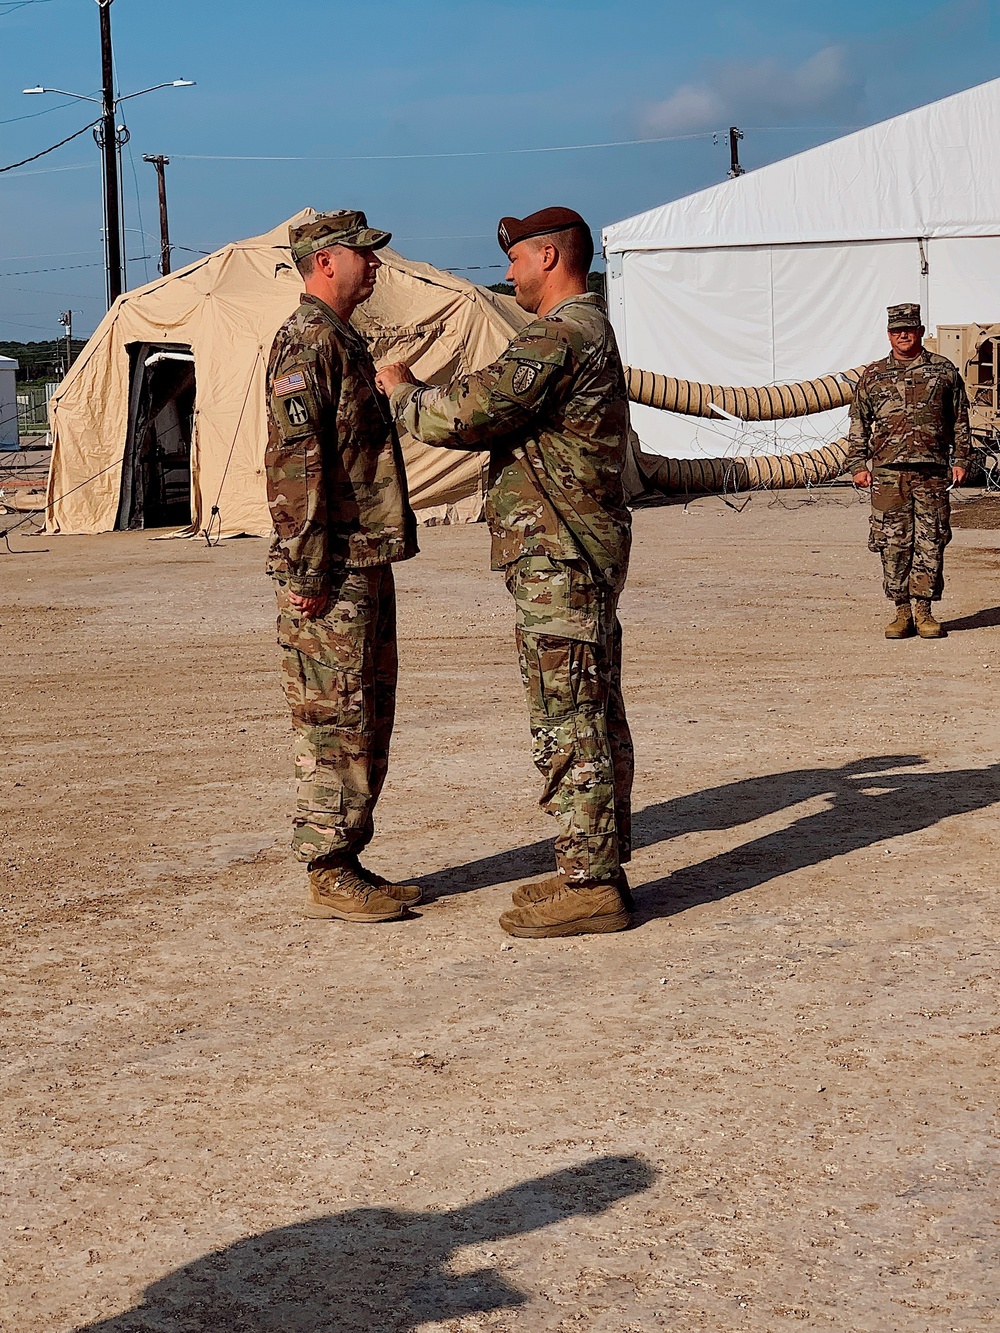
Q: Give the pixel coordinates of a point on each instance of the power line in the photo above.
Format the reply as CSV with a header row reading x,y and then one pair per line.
x,y
36,291
66,268
48,171
19,324
36,156
9,6
54,254
33,115
409,157
506,152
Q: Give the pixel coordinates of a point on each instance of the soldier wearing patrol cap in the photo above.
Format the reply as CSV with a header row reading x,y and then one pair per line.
x,y
337,493
908,441
553,413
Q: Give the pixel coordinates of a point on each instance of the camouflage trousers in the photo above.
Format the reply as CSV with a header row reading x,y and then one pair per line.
x,y
580,737
339,677
910,527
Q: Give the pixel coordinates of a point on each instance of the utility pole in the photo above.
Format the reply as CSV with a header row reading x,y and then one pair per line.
x,y
107,138
735,135
66,319
159,162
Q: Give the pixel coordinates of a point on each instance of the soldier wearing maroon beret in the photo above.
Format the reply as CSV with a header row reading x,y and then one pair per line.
x,y
553,414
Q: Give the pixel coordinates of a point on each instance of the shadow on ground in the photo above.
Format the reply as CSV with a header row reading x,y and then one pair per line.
x,y
869,801
373,1270
986,619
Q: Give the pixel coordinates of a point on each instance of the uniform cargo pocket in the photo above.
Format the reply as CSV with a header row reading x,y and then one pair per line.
x,y
324,697
327,669
877,539
563,676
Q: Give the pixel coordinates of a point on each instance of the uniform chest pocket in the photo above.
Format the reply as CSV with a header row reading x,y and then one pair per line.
x,y
924,390
365,402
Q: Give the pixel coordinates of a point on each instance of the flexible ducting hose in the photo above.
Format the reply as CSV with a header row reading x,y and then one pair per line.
x,y
769,402
767,472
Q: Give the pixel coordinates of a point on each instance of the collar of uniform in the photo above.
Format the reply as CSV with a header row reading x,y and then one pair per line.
x,y
331,314
922,360
587,298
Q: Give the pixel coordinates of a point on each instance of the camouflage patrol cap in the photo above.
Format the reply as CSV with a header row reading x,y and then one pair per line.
x,y
348,226
905,316
543,223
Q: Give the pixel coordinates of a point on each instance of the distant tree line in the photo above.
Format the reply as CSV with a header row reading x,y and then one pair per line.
x,y
41,360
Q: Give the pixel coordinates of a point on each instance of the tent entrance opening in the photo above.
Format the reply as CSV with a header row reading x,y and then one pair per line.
x,y
156,469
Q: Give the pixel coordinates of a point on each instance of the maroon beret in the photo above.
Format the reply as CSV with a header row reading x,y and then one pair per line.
x,y
542,223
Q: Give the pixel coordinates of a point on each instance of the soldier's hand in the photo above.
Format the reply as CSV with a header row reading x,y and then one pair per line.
x,y
310,607
957,475
394,374
862,479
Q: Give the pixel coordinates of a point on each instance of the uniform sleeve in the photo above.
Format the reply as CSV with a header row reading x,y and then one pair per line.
x,y
476,411
859,433
961,448
298,395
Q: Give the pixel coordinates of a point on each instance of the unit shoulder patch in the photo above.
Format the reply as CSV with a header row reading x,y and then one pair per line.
x,y
524,376
525,380
298,413
295,412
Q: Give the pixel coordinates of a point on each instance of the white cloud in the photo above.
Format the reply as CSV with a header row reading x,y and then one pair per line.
x,y
762,92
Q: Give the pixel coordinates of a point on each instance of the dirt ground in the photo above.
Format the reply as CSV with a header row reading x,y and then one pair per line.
x,y
769,1106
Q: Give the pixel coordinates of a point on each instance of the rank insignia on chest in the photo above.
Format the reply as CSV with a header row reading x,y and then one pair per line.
x,y
289,384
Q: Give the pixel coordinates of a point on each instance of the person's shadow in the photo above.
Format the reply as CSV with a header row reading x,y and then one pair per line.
x,y
869,801
988,618
373,1270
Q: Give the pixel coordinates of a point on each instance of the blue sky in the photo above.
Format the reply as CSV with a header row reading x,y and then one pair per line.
x,y
332,82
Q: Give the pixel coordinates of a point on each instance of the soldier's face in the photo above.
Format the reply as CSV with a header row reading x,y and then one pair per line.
x,y
358,270
527,273
347,276
906,343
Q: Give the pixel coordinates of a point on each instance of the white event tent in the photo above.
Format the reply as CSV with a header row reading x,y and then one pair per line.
x,y
785,273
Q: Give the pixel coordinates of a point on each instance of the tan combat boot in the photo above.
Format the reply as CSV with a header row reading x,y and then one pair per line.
x,y
592,909
339,892
927,626
902,626
407,894
545,888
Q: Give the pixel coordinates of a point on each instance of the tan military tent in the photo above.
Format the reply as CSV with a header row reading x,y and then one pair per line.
x,y
161,420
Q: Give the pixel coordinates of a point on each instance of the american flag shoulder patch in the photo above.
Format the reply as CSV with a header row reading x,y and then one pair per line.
x,y
291,383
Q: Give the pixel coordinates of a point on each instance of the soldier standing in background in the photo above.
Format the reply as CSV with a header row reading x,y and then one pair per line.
x,y
909,441
337,493
553,412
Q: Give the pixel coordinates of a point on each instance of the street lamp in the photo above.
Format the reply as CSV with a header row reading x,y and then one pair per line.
x,y
174,83
109,138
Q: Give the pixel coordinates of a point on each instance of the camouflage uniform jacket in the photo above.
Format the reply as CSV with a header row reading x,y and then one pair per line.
x,y
335,478
553,412
907,413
